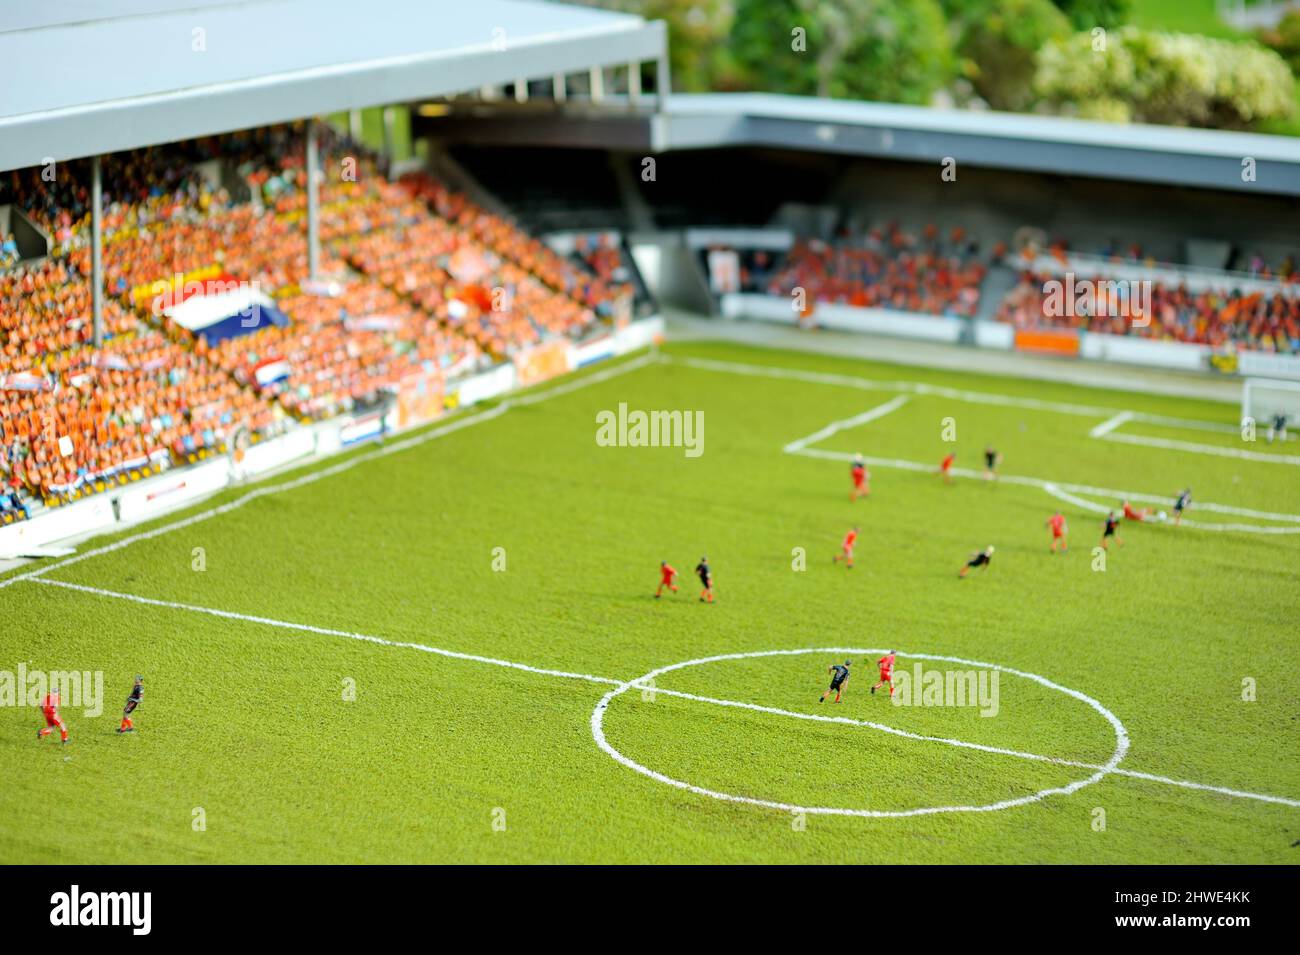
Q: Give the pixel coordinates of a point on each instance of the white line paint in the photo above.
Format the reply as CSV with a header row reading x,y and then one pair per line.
x,y
835,426
311,478
622,686
324,631
1113,418
1110,424
598,734
963,744
1171,444
641,683
918,388
868,384
1057,489
1188,423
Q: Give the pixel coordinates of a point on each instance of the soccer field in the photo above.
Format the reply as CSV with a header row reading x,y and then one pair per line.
x,y
483,589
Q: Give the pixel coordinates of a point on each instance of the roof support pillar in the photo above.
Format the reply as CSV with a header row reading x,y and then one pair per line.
x,y
663,82
633,84
597,84
390,132
97,248
559,88
313,200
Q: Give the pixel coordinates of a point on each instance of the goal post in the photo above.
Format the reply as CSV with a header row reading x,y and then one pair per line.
x,y
1263,398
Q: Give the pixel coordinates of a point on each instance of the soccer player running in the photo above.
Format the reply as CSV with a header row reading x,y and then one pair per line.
x,y
50,710
991,461
666,575
1057,523
839,676
945,467
886,664
979,559
132,701
703,572
1112,524
861,479
846,549
1180,505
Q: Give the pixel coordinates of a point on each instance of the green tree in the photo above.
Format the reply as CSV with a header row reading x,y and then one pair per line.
x,y
1172,78
1285,39
891,50
697,36
998,41
1086,14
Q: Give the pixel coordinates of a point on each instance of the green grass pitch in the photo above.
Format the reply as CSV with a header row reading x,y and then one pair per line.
x,y
449,759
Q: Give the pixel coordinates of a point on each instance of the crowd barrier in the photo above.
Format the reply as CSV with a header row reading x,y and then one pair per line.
x,y
154,496
845,318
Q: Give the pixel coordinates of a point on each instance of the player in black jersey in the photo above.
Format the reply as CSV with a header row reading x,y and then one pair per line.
x,y
991,461
703,572
979,559
1278,428
1112,524
1180,505
132,701
839,676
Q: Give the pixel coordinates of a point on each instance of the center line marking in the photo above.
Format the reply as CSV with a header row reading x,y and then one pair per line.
x,y
640,684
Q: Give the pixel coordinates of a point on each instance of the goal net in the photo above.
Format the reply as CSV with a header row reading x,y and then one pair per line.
x,y
1263,398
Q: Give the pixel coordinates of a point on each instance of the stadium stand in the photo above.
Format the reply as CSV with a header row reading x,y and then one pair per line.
x,y
1223,316
890,268
215,338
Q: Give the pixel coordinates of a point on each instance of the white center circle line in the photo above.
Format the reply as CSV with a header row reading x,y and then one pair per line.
x,y
598,734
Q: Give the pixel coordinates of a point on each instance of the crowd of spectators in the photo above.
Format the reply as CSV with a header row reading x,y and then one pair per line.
x,y
341,352
82,418
46,308
1223,318
888,268
424,285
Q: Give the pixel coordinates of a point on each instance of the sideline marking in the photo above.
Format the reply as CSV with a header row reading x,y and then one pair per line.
x,y
1057,489
633,364
314,476
1195,447
639,683
1106,427
835,426
1103,431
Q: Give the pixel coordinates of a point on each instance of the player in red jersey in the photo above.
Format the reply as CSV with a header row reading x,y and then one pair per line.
x,y
666,575
50,709
1136,514
861,479
846,549
886,664
1057,523
945,467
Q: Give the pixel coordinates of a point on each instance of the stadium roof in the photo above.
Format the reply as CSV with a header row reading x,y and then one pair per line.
x,y
1211,159
81,81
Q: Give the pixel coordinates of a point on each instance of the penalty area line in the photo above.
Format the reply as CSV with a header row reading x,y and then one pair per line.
x,y
1059,488
640,684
